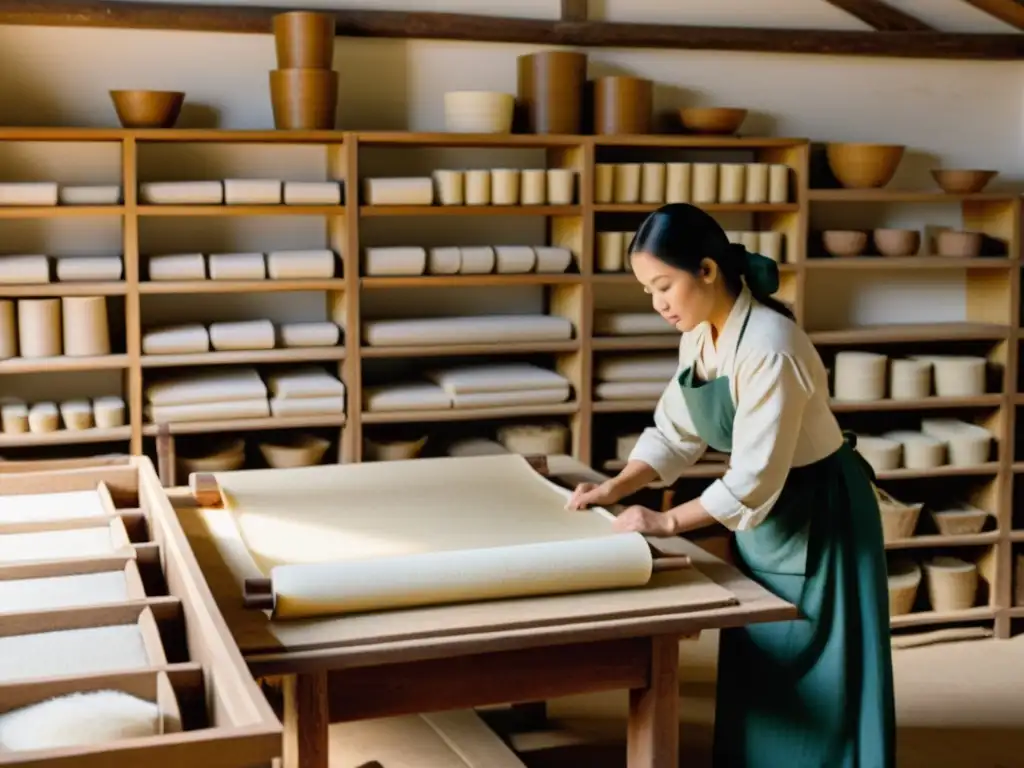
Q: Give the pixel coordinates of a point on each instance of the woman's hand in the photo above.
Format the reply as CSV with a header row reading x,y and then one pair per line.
x,y
646,521
593,494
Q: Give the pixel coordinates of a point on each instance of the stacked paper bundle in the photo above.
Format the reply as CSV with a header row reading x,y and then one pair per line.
x,y
634,377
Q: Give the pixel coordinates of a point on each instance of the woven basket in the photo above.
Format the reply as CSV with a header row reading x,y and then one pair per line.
x,y
952,583
898,519
904,580
960,521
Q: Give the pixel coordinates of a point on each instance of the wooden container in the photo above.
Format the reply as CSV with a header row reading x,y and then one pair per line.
x,y
298,451
505,186
959,376
39,328
533,188
860,376
678,182
904,580
864,166
304,99
550,88
610,251
304,40
899,520
394,450
534,439
8,330
880,453
844,243
958,245
86,328
920,451
952,583
623,105
200,456
478,112
962,182
960,521
192,698
627,183
147,109
719,121
604,183
910,379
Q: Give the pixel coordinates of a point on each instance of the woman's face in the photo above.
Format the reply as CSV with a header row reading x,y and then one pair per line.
x,y
683,299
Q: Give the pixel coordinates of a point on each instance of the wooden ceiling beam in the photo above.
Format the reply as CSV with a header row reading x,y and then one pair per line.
x,y
466,27
881,16
1007,11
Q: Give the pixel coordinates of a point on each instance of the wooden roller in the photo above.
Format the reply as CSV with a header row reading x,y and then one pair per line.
x,y
258,592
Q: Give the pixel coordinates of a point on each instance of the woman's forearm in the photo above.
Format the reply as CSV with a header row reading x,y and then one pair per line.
x,y
690,516
634,476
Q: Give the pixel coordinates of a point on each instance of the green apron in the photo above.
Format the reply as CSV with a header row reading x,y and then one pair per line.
x,y
816,692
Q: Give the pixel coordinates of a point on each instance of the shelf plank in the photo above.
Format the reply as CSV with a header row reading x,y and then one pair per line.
x,y
62,364
911,332
709,207
929,541
467,281
58,211
248,425
467,414
687,141
924,618
66,437
454,350
63,289
470,210
253,357
469,140
624,406
902,196
241,210
981,401
629,343
241,286
947,470
910,262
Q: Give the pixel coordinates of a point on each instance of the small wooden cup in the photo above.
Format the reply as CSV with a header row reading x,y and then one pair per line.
x,y
304,40
304,99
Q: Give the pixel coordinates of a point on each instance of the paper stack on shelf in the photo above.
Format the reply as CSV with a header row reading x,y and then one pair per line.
x,y
634,377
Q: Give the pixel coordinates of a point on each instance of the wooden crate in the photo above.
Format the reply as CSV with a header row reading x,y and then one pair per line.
x,y
211,711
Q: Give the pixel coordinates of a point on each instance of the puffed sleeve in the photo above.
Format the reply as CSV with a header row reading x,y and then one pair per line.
x,y
773,390
671,445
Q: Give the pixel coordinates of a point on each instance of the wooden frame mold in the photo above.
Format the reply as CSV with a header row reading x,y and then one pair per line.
x,y
210,710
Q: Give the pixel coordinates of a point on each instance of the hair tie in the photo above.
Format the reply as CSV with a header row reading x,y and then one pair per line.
x,y
760,273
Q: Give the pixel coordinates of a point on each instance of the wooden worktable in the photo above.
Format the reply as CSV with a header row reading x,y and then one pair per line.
x,y
428,673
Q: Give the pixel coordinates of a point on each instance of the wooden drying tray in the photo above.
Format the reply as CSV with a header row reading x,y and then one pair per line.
x,y
212,712
258,593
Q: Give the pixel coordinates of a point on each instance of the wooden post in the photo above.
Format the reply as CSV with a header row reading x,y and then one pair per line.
x,y
653,730
305,721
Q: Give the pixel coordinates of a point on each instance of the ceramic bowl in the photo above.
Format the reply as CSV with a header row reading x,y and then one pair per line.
x,y
962,182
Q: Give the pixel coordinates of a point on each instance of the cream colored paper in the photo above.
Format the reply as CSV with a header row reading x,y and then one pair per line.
x,y
378,536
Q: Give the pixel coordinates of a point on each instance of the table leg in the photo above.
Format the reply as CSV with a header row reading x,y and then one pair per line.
x,y
653,731
305,721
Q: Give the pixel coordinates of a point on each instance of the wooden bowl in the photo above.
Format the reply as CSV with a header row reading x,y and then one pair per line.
x,y
962,245
864,166
304,99
297,451
962,182
304,40
147,109
842,242
223,456
718,121
897,242
394,450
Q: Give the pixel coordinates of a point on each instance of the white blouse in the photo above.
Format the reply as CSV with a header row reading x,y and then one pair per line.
x,y
780,389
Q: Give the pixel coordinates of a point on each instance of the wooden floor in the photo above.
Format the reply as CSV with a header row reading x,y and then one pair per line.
x,y
959,705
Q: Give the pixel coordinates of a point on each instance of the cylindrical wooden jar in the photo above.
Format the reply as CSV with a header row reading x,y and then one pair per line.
x,y
86,330
39,328
550,91
8,331
623,105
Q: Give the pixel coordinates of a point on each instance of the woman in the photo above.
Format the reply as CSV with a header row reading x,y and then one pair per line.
x,y
815,692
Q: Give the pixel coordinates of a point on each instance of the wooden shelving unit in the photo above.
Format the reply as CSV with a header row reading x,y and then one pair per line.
x,y
991,322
